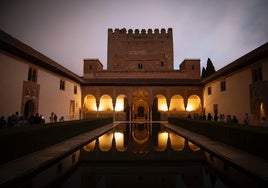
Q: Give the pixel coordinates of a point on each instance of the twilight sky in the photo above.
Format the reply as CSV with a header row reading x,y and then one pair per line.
x,y
69,31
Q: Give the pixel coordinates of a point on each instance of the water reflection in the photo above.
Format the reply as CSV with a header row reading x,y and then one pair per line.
x,y
150,155
140,139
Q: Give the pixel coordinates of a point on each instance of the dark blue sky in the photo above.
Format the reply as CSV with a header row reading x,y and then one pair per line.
x,y
70,31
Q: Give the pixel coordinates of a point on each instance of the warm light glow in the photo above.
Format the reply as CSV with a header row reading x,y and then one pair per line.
x,y
162,141
162,103
105,141
106,103
193,103
90,103
176,103
262,111
90,146
193,147
119,106
119,141
189,108
176,141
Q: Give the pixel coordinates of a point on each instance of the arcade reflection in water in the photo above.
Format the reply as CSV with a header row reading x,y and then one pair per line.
x,y
141,139
149,155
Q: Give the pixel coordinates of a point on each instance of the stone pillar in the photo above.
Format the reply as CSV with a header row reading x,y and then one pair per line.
x,y
97,105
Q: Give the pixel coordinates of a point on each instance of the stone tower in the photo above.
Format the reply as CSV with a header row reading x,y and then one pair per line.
x,y
140,50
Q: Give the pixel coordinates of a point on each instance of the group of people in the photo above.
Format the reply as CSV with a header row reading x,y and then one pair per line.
x,y
20,120
16,120
54,118
220,118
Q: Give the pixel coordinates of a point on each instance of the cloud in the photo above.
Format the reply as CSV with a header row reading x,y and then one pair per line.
x,y
68,31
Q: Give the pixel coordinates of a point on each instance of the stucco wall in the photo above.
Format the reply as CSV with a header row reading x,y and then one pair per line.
x,y
12,72
234,100
52,99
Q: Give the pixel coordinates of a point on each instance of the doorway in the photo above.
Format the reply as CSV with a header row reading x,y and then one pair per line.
x,y
29,108
140,108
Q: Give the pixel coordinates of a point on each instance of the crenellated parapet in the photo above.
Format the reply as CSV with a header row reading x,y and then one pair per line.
x,y
141,33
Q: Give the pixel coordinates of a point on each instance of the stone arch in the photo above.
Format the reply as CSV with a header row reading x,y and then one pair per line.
x,y
176,103
90,106
29,108
140,107
194,104
106,103
120,102
159,108
122,109
90,103
162,103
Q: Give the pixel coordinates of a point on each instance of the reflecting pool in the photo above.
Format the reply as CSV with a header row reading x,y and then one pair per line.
x,y
150,155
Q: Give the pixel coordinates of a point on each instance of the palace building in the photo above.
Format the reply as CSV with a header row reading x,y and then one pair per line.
x,y
140,83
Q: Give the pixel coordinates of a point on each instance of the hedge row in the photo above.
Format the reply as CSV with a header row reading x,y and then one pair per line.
x,y
252,139
16,142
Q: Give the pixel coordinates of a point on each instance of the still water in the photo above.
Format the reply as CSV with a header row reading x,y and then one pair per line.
x,y
151,155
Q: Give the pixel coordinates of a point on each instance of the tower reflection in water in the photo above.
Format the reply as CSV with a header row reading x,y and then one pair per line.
x,y
151,155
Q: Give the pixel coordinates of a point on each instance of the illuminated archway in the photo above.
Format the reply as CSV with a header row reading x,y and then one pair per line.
x,y
90,103
120,104
162,103
140,108
262,111
106,103
194,104
176,103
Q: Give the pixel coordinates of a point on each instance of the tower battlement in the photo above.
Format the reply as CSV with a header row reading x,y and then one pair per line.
x,y
142,32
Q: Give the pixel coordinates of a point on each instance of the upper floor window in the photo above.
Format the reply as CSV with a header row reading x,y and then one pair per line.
x,y
75,89
223,85
32,74
209,90
62,85
257,74
162,63
140,66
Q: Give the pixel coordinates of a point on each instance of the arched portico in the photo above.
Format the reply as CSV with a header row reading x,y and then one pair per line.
x,y
141,103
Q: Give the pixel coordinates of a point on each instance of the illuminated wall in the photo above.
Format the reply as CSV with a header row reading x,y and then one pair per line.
x,y
119,103
193,103
11,83
52,99
235,100
176,103
106,103
90,103
162,103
